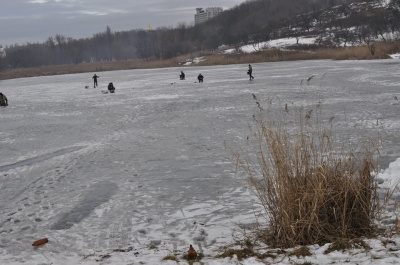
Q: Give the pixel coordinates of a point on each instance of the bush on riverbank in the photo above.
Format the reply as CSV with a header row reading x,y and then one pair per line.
x,y
313,188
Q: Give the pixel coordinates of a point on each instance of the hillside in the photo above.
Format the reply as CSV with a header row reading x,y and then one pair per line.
x,y
347,25
329,24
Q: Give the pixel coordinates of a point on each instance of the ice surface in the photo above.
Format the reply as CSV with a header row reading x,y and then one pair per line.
x,y
152,164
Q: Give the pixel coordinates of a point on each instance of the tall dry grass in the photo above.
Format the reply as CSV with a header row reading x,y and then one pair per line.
x,y
312,188
86,68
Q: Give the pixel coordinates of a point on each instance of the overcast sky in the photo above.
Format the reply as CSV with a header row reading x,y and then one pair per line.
x,y
24,21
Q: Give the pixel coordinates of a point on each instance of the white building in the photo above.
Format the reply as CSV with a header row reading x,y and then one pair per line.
x,y
204,15
2,52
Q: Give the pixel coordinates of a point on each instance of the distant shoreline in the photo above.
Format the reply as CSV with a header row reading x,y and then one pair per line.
x,y
296,52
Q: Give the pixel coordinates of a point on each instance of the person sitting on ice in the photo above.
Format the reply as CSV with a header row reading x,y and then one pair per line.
x,y
200,77
182,75
111,88
3,100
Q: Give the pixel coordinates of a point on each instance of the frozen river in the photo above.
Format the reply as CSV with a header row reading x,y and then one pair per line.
x,y
147,166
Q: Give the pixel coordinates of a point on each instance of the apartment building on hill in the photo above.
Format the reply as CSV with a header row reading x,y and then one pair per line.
x,y
203,15
2,52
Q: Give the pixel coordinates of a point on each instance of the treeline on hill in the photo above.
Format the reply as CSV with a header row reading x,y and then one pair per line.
x,y
251,21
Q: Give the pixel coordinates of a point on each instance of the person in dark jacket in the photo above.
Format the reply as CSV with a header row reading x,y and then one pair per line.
x,y
95,80
111,88
182,75
250,72
200,77
3,100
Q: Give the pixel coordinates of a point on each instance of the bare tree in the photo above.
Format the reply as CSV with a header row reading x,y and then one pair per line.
x,y
365,34
143,46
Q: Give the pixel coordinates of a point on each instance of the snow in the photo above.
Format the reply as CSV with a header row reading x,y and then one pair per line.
x,y
283,43
395,56
135,176
195,60
276,43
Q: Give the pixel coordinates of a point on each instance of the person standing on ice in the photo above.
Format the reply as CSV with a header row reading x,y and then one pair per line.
x,y
3,100
250,72
95,80
200,77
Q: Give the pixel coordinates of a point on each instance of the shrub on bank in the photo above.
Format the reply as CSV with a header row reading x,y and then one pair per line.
x,y
313,189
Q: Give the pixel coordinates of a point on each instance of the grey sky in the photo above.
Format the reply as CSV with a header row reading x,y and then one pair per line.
x,y
24,21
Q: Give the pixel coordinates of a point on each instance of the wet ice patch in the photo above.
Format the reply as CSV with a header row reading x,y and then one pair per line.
x,y
7,141
162,96
200,209
30,161
63,114
100,193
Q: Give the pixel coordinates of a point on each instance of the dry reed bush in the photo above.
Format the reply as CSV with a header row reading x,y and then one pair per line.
x,y
348,53
272,55
388,47
382,51
358,53
87,67
312,189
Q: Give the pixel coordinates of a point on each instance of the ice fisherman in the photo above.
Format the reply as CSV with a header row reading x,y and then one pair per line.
x,y
200,77
3,100
182,75
95,80
111,88
250,72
